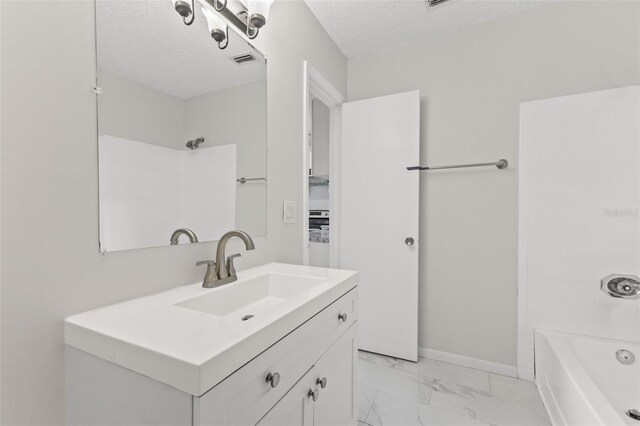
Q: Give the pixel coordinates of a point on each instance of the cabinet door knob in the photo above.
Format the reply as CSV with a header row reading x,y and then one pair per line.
x,y
322,382
273,379
314,394
409,241
343,317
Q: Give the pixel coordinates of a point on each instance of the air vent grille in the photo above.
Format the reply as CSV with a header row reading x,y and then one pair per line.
x,y
434,3
243,59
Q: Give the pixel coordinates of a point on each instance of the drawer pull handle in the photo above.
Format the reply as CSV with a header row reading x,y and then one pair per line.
x,y
314,394
322,382
273,379
343,317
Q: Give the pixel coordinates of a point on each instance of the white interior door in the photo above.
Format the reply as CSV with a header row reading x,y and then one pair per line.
x,y
379,213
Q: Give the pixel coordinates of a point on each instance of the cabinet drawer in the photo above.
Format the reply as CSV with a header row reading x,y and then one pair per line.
x,y
245,396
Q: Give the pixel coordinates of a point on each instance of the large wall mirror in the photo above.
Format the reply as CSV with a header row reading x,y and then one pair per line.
x,y
181,128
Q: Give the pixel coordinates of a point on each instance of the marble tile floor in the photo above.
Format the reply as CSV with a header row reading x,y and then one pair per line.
x,y
400,393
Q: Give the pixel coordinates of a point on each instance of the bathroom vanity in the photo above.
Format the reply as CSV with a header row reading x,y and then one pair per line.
x,y
276,347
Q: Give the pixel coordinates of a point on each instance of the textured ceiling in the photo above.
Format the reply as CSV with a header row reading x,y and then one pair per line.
x,y
146,41
363,26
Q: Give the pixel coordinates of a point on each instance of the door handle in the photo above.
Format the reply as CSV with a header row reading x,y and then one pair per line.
x,y
409,241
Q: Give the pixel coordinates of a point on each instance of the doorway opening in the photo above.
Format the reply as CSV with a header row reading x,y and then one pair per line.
x,y
320,174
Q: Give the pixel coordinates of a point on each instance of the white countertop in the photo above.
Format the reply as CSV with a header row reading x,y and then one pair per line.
x,y
192,350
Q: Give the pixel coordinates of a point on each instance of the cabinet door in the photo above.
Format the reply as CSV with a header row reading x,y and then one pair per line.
x,y
296,406
336,402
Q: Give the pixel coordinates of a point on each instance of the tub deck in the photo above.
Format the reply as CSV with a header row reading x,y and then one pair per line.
x,y
582,383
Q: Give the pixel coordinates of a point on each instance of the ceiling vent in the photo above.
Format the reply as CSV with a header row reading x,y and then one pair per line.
x,y
434,3
243,59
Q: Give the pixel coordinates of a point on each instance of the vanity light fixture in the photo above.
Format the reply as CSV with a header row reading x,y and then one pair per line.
x,y
248,20
185,10
259,12
217,28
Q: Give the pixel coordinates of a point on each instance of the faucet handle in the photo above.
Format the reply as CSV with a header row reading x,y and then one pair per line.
x,y
210,277
231,269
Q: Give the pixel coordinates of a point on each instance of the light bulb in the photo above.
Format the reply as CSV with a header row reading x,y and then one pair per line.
x,y
217,27
259,12
182,7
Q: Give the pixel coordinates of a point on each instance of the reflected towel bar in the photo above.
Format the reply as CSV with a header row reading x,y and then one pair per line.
x,y
244,180
501,164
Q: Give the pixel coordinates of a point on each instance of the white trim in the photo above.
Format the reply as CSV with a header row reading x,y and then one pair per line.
x,y
526,369
306,102
314,85
322,89
1,142
465,361
334,188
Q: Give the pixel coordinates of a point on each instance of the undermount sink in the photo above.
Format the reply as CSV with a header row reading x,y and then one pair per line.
x,y
252,297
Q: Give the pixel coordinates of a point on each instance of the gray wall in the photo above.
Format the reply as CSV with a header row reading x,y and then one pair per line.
x,y
237,115
472,82
131,110
49,214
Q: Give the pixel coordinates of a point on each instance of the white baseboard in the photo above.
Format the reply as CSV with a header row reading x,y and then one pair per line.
x,y
465,361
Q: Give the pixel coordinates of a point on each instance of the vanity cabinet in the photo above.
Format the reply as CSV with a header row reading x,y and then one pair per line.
x,y
296,407
309,403
308,377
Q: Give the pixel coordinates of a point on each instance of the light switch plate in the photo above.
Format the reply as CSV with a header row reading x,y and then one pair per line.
x,y
289,211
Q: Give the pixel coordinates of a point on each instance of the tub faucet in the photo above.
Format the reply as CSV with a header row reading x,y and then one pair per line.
x,y
223,272
183,231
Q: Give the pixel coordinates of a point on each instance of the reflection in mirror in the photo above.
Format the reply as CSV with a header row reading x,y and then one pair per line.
x,y
180,122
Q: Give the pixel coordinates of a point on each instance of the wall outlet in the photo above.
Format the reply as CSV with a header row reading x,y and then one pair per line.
x,y
289,211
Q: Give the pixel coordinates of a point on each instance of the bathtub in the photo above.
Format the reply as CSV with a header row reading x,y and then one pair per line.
x,y
582,383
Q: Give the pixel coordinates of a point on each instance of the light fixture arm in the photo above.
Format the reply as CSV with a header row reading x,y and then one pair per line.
x,y
226,39
253,35
215,5
193,14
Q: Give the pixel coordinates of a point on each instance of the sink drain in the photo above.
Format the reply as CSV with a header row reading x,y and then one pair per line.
x,y
625,357
247,317
634,414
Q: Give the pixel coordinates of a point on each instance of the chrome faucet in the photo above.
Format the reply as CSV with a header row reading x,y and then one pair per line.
x,y
221,272
183,231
